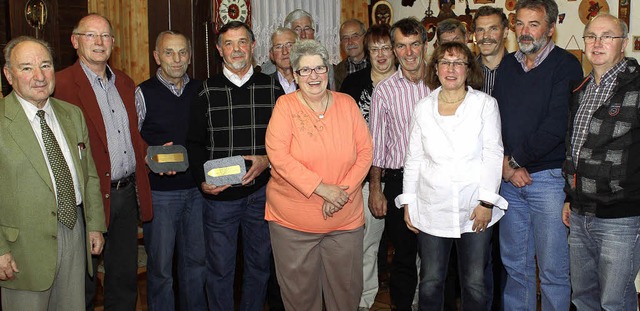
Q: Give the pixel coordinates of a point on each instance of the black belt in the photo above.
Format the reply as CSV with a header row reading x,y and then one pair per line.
x,y
393,174
123,182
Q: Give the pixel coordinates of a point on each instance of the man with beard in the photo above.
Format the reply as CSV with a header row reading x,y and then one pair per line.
x,y
391,108
163,105
533,89
490,29
352,42
229,117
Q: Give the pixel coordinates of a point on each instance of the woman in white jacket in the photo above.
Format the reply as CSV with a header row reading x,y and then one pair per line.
x,y
451,176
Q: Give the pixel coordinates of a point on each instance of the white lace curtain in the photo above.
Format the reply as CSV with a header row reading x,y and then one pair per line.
x,y
267,15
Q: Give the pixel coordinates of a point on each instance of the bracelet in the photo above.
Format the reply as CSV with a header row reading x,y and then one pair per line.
x,y
485,204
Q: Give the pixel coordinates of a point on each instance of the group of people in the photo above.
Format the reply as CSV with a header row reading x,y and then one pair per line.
x,y
435,152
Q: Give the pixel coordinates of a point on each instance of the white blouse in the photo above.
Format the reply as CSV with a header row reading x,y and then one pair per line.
x,y
453,162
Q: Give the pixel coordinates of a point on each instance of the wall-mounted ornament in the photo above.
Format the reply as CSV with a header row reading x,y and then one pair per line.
x,y
624,9
512,21
430,22
510,5
636,43
561,18
382,13
35,12
588,9
408,2
484,1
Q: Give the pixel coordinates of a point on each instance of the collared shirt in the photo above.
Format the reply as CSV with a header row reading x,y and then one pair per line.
x,y
116,123
288,87
52,121
353,66
489,74
141,106
458,164
234,78
594,96
391,110
522,59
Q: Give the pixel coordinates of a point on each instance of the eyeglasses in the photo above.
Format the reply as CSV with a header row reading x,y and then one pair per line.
x,y
456,64
93,36
305,71
603,39
306,29
385,49
279,47
352,37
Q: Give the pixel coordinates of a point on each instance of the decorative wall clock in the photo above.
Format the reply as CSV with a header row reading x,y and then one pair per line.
x,y
225,11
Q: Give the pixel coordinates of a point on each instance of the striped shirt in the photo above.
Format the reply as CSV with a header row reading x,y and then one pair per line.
x,y
141,106
521,57
116,123
489,74
390,116
593,97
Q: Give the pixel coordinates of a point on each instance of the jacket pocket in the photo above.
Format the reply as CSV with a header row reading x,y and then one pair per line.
x,y
10,233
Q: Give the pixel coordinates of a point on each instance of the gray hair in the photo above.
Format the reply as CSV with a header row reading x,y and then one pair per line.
x,y
296,15
281,31
173,33
448,25
356,21
13,43
549,6
307,47
623,26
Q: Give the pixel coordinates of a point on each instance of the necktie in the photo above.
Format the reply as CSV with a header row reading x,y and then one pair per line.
x,y
64,183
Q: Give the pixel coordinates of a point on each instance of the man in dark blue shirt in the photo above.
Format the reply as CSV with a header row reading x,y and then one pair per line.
x,y
533,88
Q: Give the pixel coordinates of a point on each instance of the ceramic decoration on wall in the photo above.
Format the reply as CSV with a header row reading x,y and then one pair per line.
x,y
510,5
588,9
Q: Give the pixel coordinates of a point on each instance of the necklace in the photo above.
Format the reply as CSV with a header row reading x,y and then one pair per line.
x,y
450,101
326,105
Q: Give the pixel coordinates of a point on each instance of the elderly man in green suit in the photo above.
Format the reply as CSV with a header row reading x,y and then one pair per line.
x,y
51,214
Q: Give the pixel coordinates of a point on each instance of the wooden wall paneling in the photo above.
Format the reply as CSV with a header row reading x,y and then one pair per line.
x,y
4,38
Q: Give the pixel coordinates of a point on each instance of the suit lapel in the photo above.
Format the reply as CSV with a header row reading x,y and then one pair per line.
x,y
89,103
22,133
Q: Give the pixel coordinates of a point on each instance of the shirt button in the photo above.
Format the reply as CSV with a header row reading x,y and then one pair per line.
x,y
106,196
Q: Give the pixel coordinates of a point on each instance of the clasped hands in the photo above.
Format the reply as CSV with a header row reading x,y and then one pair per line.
x,y
335,197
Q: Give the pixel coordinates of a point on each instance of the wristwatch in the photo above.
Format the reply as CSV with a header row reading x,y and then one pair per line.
x,y
513,164
486,204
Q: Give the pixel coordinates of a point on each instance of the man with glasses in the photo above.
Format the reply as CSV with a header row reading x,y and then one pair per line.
x,y
281,42
229,117
533,88
352,42
601,173
106,97
450,30
391,108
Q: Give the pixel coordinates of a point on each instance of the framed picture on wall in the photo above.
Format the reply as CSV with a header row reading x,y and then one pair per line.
x,y
624,6
636,43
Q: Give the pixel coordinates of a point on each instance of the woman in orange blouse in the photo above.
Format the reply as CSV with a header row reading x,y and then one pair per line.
x,y
320,151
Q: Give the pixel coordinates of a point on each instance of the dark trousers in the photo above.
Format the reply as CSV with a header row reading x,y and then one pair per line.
x,y
404,273
120,254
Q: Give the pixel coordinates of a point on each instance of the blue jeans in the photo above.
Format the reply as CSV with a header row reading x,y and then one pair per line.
x,y
531,230
222,219
605,259
176,225
473,255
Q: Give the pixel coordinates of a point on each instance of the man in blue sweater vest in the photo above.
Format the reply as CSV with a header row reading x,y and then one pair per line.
x,y
533,89
163,105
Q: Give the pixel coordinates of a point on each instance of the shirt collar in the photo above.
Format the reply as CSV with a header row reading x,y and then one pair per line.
x,y
521,57
30,109
94,78
234,78
611,74
170,85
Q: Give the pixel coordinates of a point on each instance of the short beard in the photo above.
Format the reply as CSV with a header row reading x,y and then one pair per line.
x,y
534,46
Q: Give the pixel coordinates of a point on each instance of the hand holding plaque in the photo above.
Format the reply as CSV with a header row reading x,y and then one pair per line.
x,y
225,171
167,158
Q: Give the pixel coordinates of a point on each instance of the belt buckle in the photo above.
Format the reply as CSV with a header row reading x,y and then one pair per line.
x,y
118,184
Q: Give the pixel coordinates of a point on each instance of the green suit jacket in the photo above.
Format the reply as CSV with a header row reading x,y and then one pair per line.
x,y
28,211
